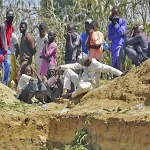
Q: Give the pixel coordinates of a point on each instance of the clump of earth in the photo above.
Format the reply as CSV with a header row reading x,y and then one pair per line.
x,y
116,116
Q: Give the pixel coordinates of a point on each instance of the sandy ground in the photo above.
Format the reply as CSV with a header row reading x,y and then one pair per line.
x,y
118,99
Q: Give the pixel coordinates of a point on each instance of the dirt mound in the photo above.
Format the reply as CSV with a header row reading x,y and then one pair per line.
x,y
108,113
133,87
6,94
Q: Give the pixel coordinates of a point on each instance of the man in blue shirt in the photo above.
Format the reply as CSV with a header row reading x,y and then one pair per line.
x,y
116,29
85,35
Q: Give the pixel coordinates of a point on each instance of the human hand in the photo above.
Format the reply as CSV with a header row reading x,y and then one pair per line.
x,y
91,31
69,33
25,56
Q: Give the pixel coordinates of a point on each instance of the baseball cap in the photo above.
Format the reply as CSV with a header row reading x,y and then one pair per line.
x,y
1,58
88,21
10,13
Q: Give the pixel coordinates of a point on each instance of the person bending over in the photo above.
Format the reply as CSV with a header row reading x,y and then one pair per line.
x,y
89,78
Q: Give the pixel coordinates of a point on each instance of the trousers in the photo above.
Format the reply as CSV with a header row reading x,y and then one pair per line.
x,y
81,86
6,68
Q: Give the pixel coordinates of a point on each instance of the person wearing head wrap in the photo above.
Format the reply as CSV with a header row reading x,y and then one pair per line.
x,y
6,30
89,78
49,53
135,47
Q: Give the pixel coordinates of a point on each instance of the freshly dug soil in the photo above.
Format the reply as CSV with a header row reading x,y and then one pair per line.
x,y
111,113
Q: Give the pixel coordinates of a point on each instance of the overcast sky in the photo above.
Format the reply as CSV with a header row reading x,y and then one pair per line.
x,y
37,2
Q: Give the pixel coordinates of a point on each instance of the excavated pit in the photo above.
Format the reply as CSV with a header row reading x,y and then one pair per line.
x,y
110,114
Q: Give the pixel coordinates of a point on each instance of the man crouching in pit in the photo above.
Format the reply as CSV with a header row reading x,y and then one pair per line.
x,y
28,86
89,78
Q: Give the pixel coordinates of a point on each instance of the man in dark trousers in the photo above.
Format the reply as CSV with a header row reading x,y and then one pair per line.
x,y
73,44
135,47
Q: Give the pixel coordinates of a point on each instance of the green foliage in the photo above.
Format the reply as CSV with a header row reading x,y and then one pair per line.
x,y
58,13
79,142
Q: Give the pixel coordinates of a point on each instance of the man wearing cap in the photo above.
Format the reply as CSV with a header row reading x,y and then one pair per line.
x,y
85,35
90,77
138,50
6,30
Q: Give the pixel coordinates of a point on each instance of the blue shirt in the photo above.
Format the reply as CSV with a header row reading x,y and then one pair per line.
x,y
84,37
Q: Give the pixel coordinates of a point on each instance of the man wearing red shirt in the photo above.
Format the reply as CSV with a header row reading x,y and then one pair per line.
x,y
6,30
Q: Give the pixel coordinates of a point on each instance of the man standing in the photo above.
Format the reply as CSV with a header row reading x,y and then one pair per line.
x,y
116,30
85,35
27,48
73,44
40,44
6,30
14,49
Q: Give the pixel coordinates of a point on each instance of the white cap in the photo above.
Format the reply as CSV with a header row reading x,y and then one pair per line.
x,y
88,21
82,58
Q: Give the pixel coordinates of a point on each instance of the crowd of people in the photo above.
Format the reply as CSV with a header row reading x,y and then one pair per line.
x,y
48,81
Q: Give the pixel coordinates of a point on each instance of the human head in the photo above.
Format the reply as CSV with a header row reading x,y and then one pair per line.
x,y
23,27
87,25
115,11
28,70
82,58
94,25
71,27
137,28
10,16
42,29
51,36
51,71
1,58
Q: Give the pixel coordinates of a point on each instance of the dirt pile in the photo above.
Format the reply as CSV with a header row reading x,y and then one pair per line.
x,y
108,113
134,86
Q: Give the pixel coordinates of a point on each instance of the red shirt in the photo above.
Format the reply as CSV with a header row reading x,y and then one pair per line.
x,y
9,31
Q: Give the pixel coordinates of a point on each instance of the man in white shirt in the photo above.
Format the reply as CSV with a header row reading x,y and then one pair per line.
x,y
40,44
90,76
14,49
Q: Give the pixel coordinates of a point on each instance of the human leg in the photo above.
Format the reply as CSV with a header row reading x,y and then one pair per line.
x,y
42,91
70,76
131,53
6,69
13,72
83,87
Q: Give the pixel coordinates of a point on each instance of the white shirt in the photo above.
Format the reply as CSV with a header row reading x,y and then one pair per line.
x,y
13,42
22,84
40,45
92,72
